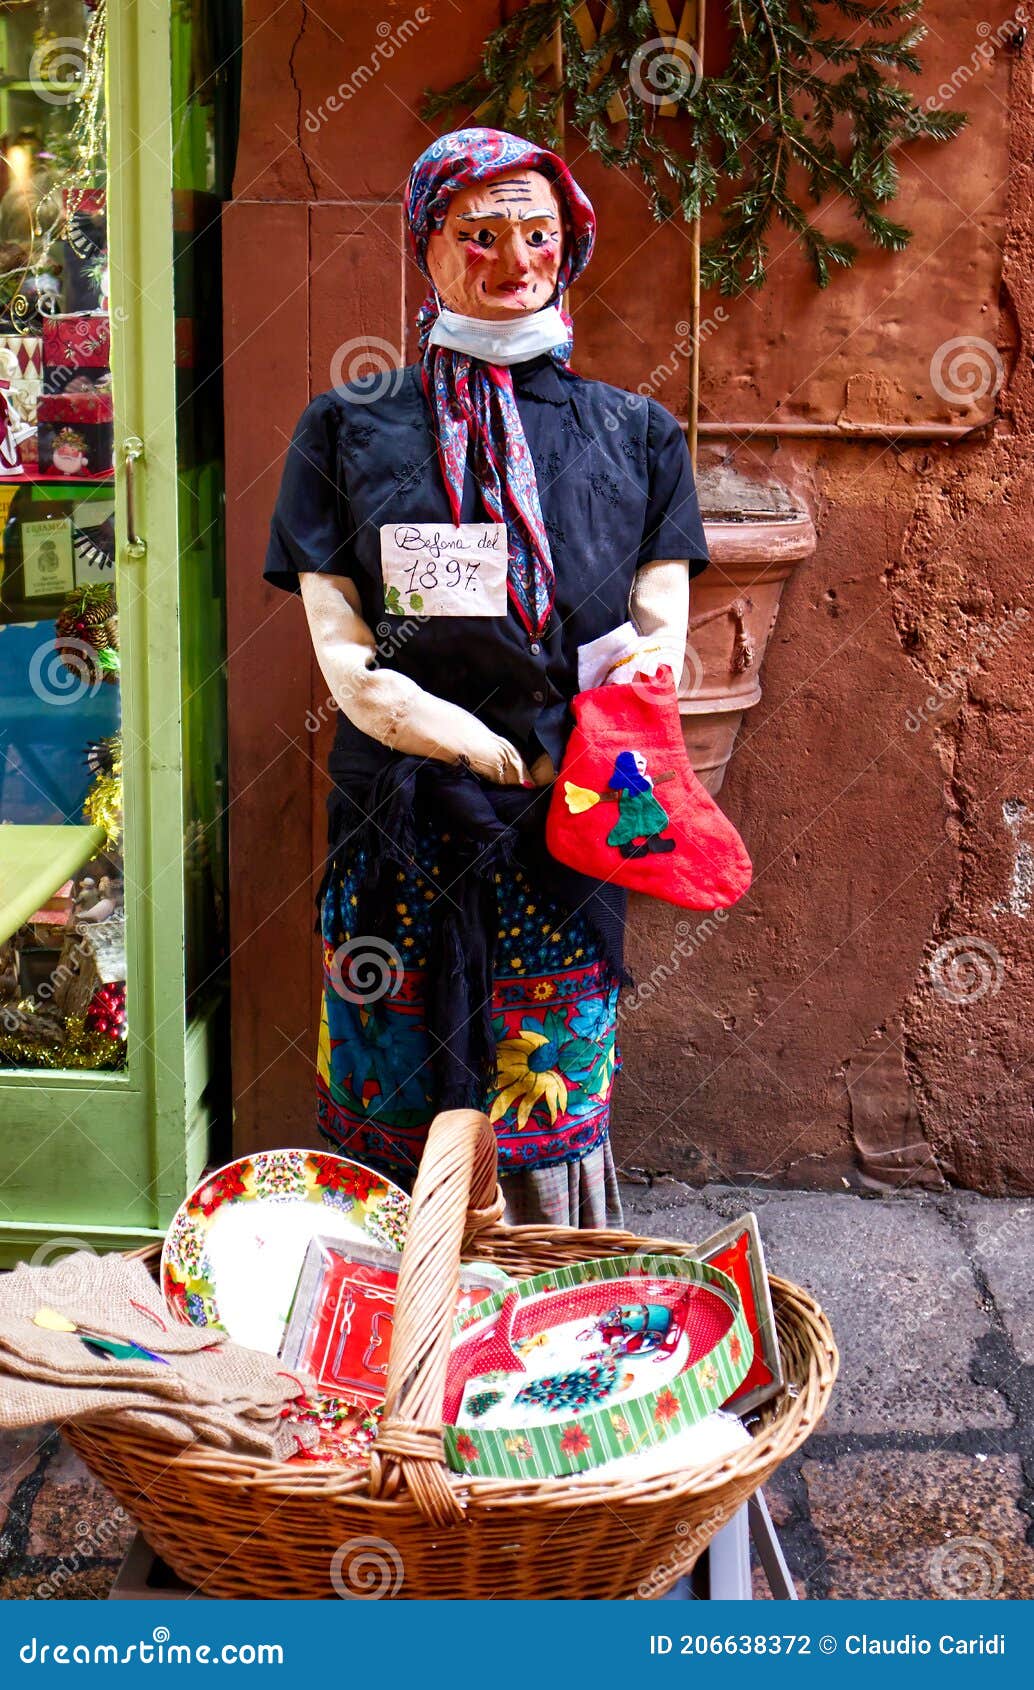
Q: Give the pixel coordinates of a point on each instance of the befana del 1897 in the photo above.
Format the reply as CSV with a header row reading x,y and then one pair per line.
x,y
910,1644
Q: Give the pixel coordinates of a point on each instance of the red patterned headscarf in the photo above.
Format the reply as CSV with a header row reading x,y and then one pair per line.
x,y
472,401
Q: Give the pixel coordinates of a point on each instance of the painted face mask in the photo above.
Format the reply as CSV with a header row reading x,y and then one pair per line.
x,y
498,253
500,229
473,159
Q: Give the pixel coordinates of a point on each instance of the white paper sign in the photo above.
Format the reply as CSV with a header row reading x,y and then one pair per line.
x,y
442,569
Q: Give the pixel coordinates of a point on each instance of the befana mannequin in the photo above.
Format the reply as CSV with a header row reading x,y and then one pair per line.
x,y
458,535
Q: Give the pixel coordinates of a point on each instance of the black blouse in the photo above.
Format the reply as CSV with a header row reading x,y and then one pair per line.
x,y
616,489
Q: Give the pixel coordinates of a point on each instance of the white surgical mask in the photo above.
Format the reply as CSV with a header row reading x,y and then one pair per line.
x,y
500,343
